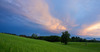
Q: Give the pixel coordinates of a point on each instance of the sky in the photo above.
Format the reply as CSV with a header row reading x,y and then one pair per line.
x,y
50,17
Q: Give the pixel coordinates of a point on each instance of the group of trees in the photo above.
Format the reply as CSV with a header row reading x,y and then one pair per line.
x,y
65,38
50,38
77,39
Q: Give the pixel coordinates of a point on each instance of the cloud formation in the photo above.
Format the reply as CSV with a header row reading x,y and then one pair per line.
x,y
91,30
77,16
38,12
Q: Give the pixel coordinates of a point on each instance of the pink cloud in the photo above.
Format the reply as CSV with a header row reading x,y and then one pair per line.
x,y
91,30
38,12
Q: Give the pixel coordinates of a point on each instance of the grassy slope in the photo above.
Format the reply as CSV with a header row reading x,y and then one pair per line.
x,y
10,43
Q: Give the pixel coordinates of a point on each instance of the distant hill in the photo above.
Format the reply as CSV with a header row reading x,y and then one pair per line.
x,y
11,43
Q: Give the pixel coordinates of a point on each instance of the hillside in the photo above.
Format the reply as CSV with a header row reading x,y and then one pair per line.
x,y
11,43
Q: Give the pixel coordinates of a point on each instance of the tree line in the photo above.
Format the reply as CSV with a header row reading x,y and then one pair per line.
x,y
64,38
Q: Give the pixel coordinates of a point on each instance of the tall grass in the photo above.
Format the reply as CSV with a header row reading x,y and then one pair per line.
x,y
10,43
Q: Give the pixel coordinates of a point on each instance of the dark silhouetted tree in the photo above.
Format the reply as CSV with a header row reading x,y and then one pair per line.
x,y
65,37
34,36
73,39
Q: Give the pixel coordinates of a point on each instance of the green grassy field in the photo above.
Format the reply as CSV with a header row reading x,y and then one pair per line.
x,y
10,43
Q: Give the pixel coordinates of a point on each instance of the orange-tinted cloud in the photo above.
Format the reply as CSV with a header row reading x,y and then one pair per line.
x,y
92,30
38,12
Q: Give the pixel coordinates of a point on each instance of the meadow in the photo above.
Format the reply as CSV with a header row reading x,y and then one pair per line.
x,y
11,43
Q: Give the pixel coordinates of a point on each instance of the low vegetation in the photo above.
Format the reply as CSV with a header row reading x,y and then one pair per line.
x,y
11,43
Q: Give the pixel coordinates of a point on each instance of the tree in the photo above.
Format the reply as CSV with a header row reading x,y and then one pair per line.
x,y
73,39
34,36
65,37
